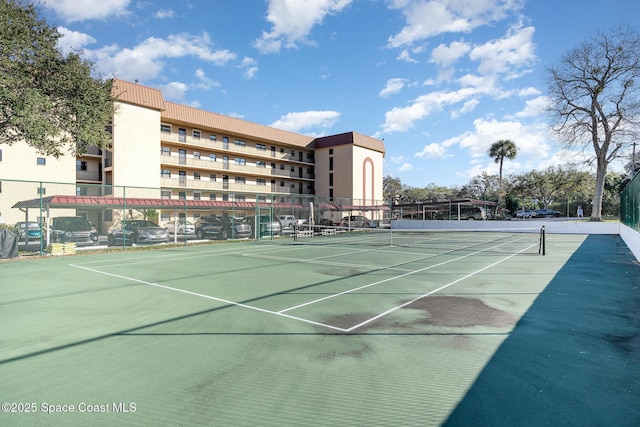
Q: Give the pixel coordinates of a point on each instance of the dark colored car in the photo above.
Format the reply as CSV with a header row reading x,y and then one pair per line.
x,y
546,213
73,229
137,231
221,228
266,225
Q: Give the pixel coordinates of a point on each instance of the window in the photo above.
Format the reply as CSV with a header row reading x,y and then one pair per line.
x,y
196,154
330,179
196,196
41,161
166,151
330,163
241,198
330,150
240,143
225,197
212,157
212,177
261,198
261,147
196,176
261,181
212,196
261,164
0,155
166,173
165,194
282,150
196,134
182,135
281,167
108,214
293,168
165,217
41,190
182,195
281,183
81,191
293,153
240,180
225,139
240,161
81,165
273,165
212,137
165,128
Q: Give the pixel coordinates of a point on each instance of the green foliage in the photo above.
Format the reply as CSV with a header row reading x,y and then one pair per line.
x,y
48,100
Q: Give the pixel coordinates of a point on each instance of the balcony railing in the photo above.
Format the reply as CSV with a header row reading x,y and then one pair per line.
x,y
209,165
88,176
219,146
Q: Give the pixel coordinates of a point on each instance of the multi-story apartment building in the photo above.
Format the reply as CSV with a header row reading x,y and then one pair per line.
x,y
164,150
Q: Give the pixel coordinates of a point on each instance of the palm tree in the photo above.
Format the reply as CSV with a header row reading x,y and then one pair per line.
x,y
500,150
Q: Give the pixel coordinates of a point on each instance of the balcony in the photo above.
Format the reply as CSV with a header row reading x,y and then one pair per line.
x,y
229,166
219,147
90,176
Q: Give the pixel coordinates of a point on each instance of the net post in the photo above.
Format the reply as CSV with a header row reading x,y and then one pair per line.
x,y
543,242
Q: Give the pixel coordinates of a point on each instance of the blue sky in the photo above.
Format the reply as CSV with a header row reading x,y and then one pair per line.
x,y
438,80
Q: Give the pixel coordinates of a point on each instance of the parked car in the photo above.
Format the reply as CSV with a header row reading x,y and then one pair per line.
x,y
524,214
221,228
182,227
136,231
73,229
546,213
266,225
357,221
30,232
466,213
288,221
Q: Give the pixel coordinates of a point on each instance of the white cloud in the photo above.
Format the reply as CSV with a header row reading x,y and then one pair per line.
x,y
393,86
144,61
433,151
445,56
534,107
73,40
427,18
401,119
175,91
250,67
293,20
165,14
71,11
405,167
298,122
205,82
506,54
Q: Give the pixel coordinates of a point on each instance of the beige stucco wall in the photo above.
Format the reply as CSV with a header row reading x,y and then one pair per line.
x,y
136,150
367,176
19,163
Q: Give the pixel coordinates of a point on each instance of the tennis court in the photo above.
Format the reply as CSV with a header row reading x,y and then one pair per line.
x,y
382,328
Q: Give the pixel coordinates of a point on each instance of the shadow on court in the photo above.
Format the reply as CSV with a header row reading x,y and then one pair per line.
x,y
574,357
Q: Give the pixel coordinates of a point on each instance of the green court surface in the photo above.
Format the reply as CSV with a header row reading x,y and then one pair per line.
x,y
460,329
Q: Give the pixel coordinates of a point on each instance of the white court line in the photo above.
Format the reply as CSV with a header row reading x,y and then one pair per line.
x,y
403,275
283,313
170,288
436,290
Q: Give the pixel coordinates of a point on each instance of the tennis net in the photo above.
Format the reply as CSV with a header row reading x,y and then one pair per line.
x,y
507,240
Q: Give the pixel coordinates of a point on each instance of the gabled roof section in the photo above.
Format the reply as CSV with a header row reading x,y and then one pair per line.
x,y
196,117
350,138
133,93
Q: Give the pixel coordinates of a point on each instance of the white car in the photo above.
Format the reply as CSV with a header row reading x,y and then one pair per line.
x,y
183,227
